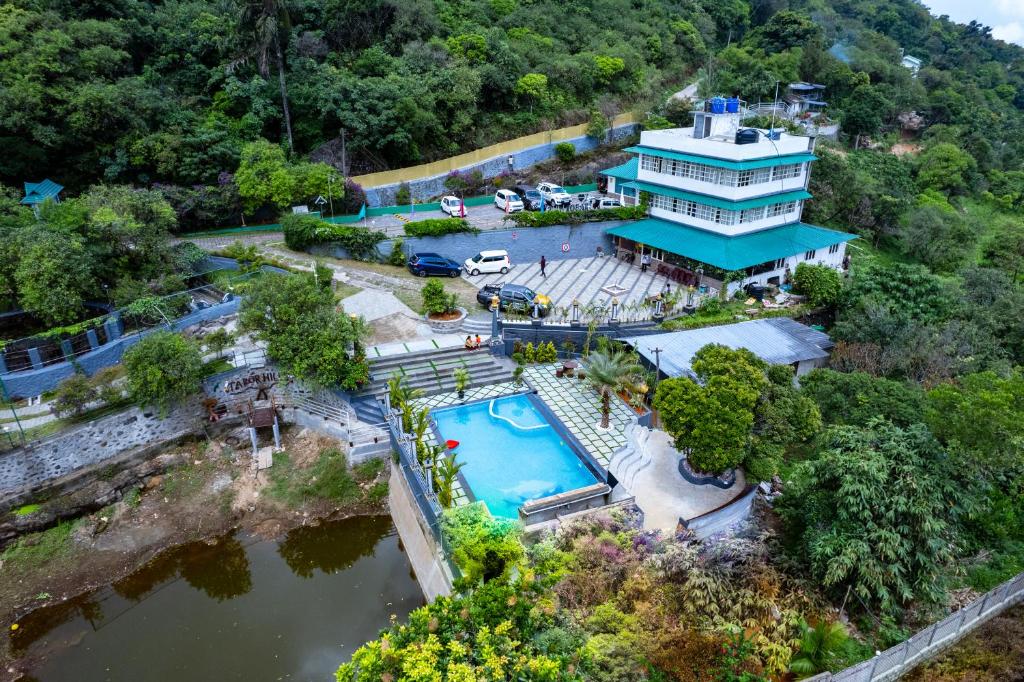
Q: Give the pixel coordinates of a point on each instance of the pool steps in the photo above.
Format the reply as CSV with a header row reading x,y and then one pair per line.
x,y
495,415
633,457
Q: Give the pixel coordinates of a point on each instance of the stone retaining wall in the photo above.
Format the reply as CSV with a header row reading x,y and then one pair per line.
x,y
720,519
425,188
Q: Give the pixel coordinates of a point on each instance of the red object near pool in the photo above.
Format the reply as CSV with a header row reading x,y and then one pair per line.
x,y
452,444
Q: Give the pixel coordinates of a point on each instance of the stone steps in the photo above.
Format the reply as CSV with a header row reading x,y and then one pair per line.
x,y
627,462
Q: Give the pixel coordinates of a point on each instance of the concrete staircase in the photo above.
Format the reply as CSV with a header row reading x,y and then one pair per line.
x,y
632,458
431,371
477,324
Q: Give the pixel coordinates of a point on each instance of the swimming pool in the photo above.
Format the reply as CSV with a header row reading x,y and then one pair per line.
x,y
512,453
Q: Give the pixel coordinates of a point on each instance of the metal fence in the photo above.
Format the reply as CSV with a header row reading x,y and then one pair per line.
x,y
902,658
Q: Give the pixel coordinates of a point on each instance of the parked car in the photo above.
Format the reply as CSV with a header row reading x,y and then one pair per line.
x,y
605,202
488,262
508,201
423,264
554,194
452,205
530,196
514,297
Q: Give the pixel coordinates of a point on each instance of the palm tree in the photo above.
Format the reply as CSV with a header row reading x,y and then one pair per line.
x,y
401,397
447,471
609,372
266,24
819,647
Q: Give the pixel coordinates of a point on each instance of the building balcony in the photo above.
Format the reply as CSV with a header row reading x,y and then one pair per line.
x,y
728,230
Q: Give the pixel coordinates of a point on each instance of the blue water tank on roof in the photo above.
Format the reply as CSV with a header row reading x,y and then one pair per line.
x,y
717,105
732,105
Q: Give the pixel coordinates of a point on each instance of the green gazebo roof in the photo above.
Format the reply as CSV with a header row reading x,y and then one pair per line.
x,y
38,192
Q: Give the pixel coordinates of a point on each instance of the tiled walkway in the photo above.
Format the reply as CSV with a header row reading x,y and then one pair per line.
x,y
582,278
578,406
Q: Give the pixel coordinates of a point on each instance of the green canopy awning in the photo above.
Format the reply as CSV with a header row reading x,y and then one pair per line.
x,y
778,198
748,164
626,172
730,253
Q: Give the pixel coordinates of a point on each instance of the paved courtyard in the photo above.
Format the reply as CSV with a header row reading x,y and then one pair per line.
x,y
594,280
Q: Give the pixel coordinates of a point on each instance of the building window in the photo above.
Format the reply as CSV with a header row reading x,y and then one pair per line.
x,y
790,170
833,249
785,207
780,263
751,215
810,254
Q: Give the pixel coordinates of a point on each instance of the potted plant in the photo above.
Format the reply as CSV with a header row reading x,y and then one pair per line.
x,y
461,375
517,375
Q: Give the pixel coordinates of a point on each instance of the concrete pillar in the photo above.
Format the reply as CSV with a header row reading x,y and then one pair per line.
x,y
94,341
35,358
3,363
66,349
277,434
255,443
113,328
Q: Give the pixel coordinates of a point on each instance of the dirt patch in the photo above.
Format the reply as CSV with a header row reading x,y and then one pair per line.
x,y
212,494
391,328
904,148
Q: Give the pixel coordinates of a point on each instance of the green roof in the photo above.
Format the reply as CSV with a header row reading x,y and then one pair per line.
x,y
777,198
626,171
730,253
749,164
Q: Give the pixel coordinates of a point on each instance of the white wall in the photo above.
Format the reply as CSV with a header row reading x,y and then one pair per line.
x,y
822,256
724,191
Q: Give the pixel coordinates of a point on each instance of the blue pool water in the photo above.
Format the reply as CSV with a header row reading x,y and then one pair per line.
x,y
511,453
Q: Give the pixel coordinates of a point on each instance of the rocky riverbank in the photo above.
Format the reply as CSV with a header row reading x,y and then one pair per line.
x,y
190,492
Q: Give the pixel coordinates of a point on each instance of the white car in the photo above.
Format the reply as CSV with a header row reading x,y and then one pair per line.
x,y
554,194
508,201
452,205
605,202
488,262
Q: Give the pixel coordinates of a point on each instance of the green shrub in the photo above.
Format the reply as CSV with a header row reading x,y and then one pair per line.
x,y
162,369
397,255
484,548
819,283
565,151
303,231
557,217
436,300
436,227
403,195
73,394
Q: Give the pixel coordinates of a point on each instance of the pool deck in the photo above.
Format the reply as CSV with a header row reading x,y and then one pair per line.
x,y
578,407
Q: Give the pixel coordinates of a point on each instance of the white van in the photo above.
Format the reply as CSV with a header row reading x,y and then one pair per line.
x,y
487,262
508,201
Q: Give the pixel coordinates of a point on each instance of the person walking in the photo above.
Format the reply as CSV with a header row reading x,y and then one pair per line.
x,y
543,264
645,261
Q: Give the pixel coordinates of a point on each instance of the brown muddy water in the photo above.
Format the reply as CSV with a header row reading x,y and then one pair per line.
x,y
238,609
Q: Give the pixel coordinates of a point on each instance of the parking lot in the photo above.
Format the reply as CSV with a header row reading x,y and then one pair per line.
x,y
594,280
485,217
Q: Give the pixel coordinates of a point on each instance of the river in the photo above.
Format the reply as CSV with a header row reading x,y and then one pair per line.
x,y
237,609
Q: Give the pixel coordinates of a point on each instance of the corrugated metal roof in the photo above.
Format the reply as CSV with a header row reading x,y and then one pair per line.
x,y
626,171
777,341
38,192
749,164
777,198
730,253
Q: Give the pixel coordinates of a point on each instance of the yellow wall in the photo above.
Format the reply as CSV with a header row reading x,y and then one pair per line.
x,y
445,166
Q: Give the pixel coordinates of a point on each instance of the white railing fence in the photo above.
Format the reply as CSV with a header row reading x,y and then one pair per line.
x,y
902,658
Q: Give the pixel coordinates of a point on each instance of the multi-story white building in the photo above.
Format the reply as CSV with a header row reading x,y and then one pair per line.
x,y
723,198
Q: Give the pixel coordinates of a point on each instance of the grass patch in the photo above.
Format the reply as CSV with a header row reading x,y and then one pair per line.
x,y
186,480
37,549
342,290
26,510
377,492
133,498
1005,562
328,479
368,470
217,366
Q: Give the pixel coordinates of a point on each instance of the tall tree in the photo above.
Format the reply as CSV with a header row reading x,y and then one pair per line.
x,y
266,25
610,372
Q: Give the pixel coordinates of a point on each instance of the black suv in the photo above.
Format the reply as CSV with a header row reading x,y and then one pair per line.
x,y
514,297
530,196
423,264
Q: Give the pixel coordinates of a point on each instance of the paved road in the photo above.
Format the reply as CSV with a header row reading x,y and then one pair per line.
x,y
586,279
689,92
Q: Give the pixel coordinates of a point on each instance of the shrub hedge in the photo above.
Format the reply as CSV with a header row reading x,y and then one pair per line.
x,y
557,217
303,231
436,227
